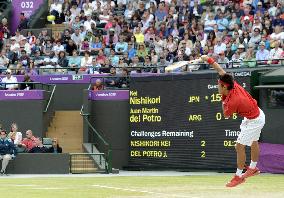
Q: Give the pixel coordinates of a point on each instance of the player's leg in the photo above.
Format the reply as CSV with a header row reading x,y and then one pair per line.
x,y
241,160
255,129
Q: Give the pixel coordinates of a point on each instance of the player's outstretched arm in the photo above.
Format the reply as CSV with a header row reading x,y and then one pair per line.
x,y
215,65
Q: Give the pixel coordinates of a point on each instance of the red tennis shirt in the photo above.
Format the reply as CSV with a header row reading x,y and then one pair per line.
x,y
241,102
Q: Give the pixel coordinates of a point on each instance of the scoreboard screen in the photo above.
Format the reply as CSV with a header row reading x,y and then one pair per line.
x,y
177,122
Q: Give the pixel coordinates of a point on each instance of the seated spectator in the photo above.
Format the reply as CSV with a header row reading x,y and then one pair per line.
x,y
7,150
62,60
124,80
55,147
86,62
47,47
74,60
275,53
236,59
58,47
70,47
112,81
121,46
223,60
249,59
29,142
50,62
77,37
219,47
101,57
15,135
38,147
262,55
27,79
98,85
96,46
105,67
10,79
4,61
24,58
256,37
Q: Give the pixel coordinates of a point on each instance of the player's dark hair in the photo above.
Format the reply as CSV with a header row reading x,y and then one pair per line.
x,y
229,79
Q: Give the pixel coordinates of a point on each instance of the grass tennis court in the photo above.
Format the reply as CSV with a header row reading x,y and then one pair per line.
x,y
263,186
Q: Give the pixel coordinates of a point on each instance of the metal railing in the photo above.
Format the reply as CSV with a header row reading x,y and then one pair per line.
x,y
107,151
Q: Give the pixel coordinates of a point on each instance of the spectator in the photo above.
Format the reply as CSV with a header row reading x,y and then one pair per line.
x,y
10,79
29,142
262,54
58,47
275,53
77,37
70,47
4,61
223,60
256,37
31,70
96,46
24,58
37,59
86,61
62,60
7,150
98,85
27,79
121,46
124,79
15,135
249,59
55,147
74,60
219,47
23,22
38,147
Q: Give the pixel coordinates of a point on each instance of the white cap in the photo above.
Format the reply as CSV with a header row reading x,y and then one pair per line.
x,y
8,71
241,46
246,18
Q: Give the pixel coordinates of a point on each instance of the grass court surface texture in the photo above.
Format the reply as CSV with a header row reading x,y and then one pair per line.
x,y
186,186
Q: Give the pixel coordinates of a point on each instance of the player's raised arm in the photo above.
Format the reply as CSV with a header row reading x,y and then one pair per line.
x,y
215,65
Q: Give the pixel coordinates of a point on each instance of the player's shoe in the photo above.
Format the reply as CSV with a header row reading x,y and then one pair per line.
x,y
235,181
251,172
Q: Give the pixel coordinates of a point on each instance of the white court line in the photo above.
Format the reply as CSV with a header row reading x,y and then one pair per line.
x,y
140,191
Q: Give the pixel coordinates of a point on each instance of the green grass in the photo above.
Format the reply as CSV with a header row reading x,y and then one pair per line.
x,y
263,186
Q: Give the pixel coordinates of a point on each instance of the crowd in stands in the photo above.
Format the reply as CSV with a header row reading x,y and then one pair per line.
x,y
149,34
12,142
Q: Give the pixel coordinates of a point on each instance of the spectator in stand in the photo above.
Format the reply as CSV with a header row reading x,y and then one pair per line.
x,y
23,22
15,135
256,37
74,60
10,79
249,59
70,47
121,46
62,60
96,46
98,85
29,142
24,58
4,61
275,53
58,47
7,150
223,60
55,147
38,147
86,62
124,80
27,86
219,47
262,54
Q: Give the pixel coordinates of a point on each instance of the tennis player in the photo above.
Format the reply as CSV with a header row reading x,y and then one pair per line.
x,y
235,99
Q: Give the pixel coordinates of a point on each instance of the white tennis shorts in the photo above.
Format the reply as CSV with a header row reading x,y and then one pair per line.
x,y
251,129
